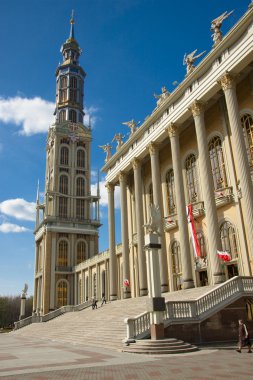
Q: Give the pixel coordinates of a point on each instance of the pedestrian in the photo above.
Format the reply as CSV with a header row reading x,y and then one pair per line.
x,y
244,338
94,303
103,300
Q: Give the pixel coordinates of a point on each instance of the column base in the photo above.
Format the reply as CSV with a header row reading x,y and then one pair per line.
x,y
188,284
127,294
164,288
218,278
143,292
157,331
113,297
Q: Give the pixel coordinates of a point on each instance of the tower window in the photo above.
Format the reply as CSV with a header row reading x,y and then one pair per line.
x,y
63,207
80,186
62,116
63,89
72,116
80,158
62,258
63,188
80,256
80,208
64,155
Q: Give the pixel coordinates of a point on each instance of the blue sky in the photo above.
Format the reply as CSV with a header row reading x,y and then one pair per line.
x,y
131,48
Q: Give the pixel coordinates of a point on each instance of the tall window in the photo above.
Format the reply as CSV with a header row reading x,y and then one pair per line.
x,y
176,259
72,116
62,293
80,208
64,155
63,207
80,159
62,116
171,191
95,285
63,188
217,163
228,239
80,255
201,240
192,180
62,258
73,89
63,89
247,125
80,186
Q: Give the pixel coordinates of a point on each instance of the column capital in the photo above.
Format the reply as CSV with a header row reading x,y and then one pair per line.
x,y
172,130
226,81
110,187
196,108
152,147
122,176
135,163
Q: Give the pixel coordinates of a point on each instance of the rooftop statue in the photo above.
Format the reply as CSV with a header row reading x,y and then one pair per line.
x,y
107,149
119,138
154,222
162,96
132,125
24,291
216,25
189,60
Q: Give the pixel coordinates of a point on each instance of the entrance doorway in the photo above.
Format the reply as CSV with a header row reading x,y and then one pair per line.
x,y
232,270
203,278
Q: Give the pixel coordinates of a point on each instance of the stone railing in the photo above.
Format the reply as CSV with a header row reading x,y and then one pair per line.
x,y
51,315
193,310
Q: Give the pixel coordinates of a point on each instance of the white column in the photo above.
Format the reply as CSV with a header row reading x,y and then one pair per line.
x,y
243,171
139,229
124,234
111,227
206,179
181,208
156,182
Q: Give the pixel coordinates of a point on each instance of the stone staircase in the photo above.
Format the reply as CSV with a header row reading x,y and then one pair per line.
x,y
160,347
103,327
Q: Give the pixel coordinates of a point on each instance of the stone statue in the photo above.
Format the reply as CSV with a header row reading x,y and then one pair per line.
x,y
132,125
107,149
154,222
24,291
216,25
251,4
119,138
189,60
162,96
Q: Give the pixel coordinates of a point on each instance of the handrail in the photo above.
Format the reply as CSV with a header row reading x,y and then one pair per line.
x,y
193,310
51,315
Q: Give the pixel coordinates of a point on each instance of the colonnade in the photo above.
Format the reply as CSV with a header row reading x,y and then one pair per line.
x,y
197,109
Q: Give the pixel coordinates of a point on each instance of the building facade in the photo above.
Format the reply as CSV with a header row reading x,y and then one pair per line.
x,y
67,222
194,152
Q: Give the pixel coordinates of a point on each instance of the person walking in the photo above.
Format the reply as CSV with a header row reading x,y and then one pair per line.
x,y
103,300
244,338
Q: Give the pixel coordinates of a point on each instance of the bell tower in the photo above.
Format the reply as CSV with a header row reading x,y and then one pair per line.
x,y
67,222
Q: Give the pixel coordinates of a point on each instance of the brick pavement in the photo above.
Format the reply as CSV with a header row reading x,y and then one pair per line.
x,y
26,359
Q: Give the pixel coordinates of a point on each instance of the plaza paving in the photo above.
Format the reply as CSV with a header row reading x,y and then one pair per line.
x,y
26,358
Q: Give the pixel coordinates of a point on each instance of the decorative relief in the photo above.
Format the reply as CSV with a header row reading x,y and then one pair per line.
x,y
226,82
172,130
196,108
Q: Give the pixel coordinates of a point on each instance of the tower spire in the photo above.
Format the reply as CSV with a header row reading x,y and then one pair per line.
x,y
72,23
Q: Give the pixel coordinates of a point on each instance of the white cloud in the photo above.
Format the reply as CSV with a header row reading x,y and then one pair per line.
x,y
18,208
104,194
9,227
34,115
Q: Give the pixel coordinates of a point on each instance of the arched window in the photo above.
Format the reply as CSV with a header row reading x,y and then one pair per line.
x,y
72,116
73,82
63,89
62,257
80,254
62,293
217,163
247,125
64,155
62,116
80,186
63,207
201,240
176,258
191,176
80,158
150,194
171,191
229,239
63,187
80,208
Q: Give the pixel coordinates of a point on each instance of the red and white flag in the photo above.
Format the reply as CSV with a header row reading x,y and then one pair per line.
x,y
195,241
223,255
